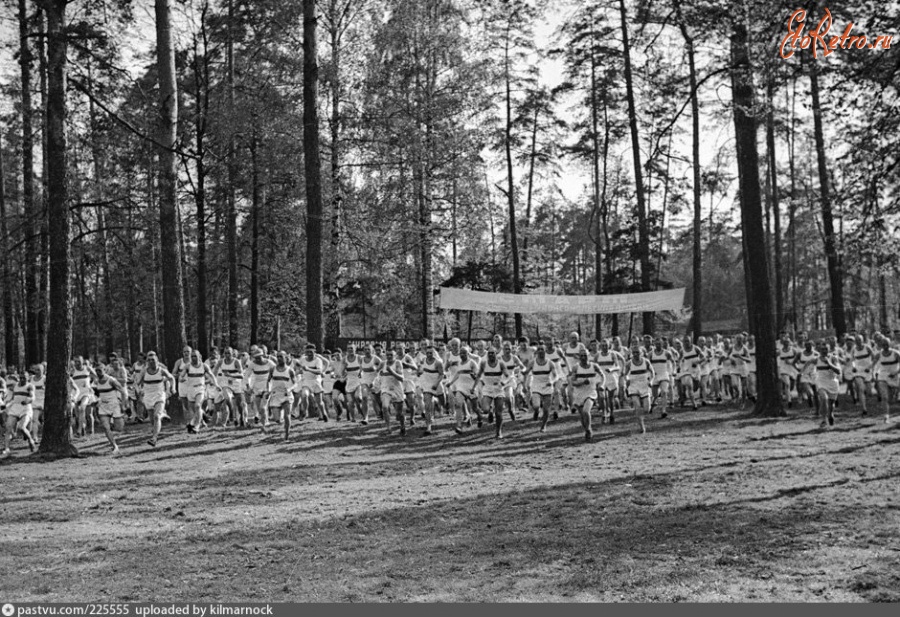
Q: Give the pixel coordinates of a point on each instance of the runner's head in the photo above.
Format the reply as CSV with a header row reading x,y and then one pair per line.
x,y
492,354
186,353
310,351
196,358
604,346
429,353
583,357
573,338
152,360
282,358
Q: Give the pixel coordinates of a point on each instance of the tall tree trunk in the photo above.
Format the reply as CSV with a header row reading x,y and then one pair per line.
x,y
55,441
760,301
776,204
332,318
313,172
231,215
595,179
30,211
258,199
510,181
108,324
532,163
44,284
170,242
834,265
697,305
643,229
201,95
10,347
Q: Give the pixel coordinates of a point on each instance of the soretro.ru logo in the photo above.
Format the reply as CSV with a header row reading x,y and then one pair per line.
x,y
8,610
796,38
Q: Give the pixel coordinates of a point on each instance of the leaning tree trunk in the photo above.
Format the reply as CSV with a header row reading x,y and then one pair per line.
x,y
760,301
56,435
834,266
643,229
170,244
313,173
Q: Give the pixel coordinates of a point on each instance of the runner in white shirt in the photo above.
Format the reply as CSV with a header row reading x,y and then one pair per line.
x,y
155,383
691,359
83,376
639,372
492,373
431,371
391,374
19,413
886,369
352,375
231,371
281,386
194,376
257,374
369,367
585,377
112,396
39,380
610,362
863,378
310,368
462,384
543,373
181,376
513,381
661,359
827,383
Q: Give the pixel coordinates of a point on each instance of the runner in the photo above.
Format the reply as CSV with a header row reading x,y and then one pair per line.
x,y
690,371
280,386
156,384
827,382
640,377
369,367
19,414
492,373
462,384
181,375
610,362
863,377
194,376
83,376
585,378
430,371
661,360
112,397
39,380
391,374
544,373
257,373
232,385
352,375
886,368
311,367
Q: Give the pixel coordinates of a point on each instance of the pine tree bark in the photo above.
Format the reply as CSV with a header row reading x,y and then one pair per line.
x,y
170,241
835,276
643,229
10,349
697,303
44,260
201,113
30,212
231,215
759,302
56,432
510,181
258,200
313,175
776,203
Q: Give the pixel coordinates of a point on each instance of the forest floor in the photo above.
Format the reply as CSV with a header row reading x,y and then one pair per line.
x,y
712,505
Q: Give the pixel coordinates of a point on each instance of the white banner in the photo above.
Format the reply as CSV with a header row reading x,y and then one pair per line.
x,y
485,301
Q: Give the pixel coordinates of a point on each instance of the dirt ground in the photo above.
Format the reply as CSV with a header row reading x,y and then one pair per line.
x,y
712,505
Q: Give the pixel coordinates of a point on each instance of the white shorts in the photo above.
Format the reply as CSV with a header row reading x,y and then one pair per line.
x,y
639,389
277,399
493,391
150,399
582,394
20,412
183,391
110,408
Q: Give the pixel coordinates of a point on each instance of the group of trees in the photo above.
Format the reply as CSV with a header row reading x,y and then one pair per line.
x,y
274,171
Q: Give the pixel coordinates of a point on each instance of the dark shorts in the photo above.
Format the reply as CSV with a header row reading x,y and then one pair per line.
x,y
340,386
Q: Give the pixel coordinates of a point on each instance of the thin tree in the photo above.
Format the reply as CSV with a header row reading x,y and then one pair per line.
x,y
31,215
56,434
313,172
759,300
838,319
643,229
170,244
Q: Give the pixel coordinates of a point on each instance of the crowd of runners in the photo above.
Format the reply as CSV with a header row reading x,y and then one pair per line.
x,y
415,383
